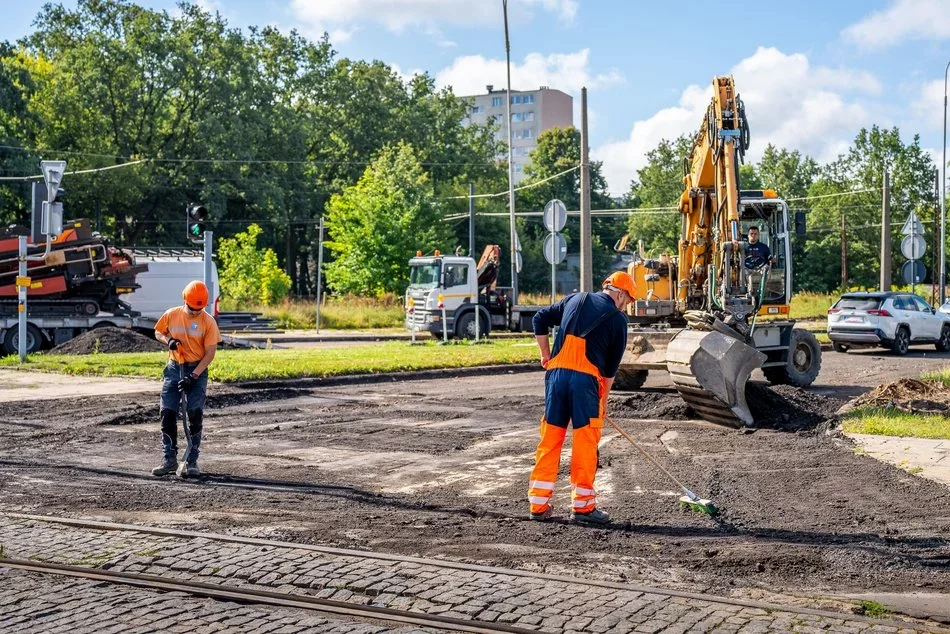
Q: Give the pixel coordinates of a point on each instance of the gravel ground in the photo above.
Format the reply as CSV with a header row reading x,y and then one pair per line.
x,y
438,467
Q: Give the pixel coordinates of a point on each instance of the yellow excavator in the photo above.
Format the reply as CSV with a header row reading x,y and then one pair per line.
x,y
717,310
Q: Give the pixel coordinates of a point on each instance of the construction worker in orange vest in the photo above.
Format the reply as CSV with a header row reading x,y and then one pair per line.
x,y
192,337
588,348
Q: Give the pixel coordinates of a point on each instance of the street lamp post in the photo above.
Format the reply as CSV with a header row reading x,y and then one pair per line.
x,y
943,197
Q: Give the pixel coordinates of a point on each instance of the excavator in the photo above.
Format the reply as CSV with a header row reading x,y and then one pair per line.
x,y
716,310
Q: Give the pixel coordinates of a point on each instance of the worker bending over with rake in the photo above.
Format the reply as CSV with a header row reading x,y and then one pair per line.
x,y
192,337
588,348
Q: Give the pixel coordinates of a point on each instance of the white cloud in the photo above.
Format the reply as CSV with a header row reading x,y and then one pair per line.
x,y
903,20
928,106
789,103
398,15
468,75
341,36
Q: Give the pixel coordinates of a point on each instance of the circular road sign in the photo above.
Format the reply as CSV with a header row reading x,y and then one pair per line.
x,y
555,248
913,247
913,272
555,215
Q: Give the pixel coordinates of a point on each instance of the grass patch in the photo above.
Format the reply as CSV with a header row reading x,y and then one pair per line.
x,y
941,376
248,365
336,313
874,609
882,421
808,305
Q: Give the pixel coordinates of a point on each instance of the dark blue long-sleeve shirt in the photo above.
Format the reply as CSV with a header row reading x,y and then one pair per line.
x,y
605,343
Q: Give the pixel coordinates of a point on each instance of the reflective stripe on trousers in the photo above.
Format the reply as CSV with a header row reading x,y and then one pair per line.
x,y
570,396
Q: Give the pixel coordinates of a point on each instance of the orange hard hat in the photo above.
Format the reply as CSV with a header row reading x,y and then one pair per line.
x,y
622,281
195,294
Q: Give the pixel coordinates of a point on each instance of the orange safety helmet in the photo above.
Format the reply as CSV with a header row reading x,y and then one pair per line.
x,y
622,281
195,294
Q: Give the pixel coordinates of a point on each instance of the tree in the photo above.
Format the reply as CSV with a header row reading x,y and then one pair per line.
x,y
862,168
558,150
789,173
376,225
250,274
658,186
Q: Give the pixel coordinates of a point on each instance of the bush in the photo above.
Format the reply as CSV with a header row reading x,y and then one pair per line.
x,y
250,275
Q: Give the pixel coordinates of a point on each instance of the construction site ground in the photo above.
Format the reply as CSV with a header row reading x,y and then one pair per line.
x,y
438,468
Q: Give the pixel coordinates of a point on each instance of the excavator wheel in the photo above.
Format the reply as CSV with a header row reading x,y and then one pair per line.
x,y
629,380
804,362
710,370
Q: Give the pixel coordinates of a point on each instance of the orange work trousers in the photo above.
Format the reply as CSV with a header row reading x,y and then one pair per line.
x,y
574,394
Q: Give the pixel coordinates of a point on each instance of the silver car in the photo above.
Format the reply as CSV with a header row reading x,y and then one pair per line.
x,y
892,320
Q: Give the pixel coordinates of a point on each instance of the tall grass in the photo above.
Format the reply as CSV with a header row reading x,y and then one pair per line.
x,y
809,305
336,313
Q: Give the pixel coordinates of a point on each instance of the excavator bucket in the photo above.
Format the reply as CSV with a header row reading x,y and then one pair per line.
x,y
710,370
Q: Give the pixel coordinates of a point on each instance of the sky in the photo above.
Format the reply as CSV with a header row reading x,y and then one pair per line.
x,y
811,72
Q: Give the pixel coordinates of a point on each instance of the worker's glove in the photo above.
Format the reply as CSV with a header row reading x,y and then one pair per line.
x,y
185,384
173,343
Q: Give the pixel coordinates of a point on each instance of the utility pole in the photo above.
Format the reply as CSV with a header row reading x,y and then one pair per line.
x,y
886,235
844,256
471,220
511,168
587,274
319,270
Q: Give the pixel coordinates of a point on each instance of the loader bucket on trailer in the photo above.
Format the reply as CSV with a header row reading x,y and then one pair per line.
x,y
710,370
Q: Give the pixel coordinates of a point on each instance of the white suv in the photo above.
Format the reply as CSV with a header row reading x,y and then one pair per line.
x,y
892,320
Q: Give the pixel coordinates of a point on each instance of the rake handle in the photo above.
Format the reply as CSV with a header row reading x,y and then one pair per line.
x,y
649,457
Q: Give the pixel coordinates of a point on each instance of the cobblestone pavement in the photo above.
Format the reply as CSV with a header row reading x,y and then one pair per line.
x,y
487,594
43,603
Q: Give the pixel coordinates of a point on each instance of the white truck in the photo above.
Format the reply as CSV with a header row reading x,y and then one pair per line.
x,y
169,271
466,292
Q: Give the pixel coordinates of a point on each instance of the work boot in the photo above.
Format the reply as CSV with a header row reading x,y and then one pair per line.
x,y
543,515
168,466
593,518
192,471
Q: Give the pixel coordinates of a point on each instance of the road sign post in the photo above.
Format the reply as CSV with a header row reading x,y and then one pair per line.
x,y
913,247
555,217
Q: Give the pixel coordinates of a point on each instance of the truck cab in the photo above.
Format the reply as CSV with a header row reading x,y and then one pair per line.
x,y
446,295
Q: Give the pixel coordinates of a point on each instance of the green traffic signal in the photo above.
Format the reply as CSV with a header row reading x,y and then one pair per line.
x,y
196,215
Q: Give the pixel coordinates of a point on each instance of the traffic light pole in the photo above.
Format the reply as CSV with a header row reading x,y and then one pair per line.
x,y
209,279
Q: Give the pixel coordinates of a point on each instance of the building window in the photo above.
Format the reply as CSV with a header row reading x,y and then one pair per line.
x,y
478,109
516,99
516,117
528,99
524,134
517,169
495,102
529,115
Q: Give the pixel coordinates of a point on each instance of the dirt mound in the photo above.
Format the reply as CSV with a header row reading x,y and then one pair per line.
x,y
658,405
108,340
778,407
909,395
789,408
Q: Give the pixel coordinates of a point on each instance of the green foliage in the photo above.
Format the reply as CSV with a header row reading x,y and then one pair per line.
x,y
376,225
659,184
862,168
347,312
250,274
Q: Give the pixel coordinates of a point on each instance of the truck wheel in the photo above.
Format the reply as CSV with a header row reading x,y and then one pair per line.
x,y
804,361
11,340
465,326
629,380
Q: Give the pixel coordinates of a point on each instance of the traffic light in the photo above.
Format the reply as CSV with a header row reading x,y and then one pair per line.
x,y
800,223
196,216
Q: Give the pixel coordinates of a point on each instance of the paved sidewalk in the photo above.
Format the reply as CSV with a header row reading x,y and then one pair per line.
x,y
27,386
488,594
921,456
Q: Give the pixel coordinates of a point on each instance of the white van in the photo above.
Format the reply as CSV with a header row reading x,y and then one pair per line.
x,y
169,271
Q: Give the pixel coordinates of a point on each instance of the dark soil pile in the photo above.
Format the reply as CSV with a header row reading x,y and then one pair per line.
x,y
108,340
789,408
909,395
658,405
778,407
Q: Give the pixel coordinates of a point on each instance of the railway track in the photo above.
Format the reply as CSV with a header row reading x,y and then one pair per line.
x,y
263,597
225,592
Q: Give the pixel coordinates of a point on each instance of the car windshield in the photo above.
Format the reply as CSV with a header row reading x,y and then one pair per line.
x,y
424,275
858,303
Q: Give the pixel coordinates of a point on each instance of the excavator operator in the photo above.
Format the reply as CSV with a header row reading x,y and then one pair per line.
x,y
757,253
588,348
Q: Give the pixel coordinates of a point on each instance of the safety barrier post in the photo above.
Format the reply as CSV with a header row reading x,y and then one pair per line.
x,y
410,309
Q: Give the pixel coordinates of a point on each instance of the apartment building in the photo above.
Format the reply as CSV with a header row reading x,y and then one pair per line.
x,y
532,112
